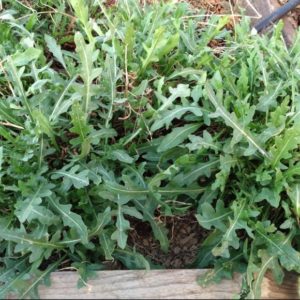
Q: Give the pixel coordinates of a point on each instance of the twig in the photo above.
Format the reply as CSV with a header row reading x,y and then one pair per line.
x,y
8,124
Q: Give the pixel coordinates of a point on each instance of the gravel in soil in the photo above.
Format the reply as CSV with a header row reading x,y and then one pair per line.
x,y
185,236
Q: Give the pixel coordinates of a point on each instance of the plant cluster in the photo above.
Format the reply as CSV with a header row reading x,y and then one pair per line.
x,y
109,114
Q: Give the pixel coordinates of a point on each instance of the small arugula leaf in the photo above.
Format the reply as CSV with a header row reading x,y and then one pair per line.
x,y
231,120
30,208
44,125
120,234
285,144
230,238
160,45
205,142
210,217
180,91
81,128
227,162
132,260
176,137
70,218
271,195
166,118
108,245
24,58
122,156
72,177
60,105
55,49
87,56
200,169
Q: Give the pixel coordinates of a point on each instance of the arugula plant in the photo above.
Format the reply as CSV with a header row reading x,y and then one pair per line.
x,y
110,114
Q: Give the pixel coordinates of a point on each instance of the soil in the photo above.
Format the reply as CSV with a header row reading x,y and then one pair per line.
x,y
295,14
185,236
211,6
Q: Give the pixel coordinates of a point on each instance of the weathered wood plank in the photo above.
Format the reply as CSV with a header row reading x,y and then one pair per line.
x,y
288,289
159,284
154,284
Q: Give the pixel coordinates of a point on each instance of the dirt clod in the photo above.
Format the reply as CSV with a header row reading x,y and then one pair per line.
x,y
185,236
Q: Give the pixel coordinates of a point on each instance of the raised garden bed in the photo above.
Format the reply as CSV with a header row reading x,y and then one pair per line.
x,y
159,284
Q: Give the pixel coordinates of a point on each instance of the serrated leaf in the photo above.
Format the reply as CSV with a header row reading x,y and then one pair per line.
x,y
81,128
184,73
165,119
285,144
104,133
180,91
108,245
62,106
132,260
279,245
30,208
196,171
268,262
230,120
230,238
72,177
55,49
120,235
70,218
176,137
214,217
271,195
160,45
122,156
44,125
205,142
24,58
88,74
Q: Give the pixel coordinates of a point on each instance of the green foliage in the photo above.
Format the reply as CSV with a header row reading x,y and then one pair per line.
x,y
111,116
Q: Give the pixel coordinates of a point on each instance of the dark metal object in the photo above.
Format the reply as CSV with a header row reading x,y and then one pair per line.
x,y
276,15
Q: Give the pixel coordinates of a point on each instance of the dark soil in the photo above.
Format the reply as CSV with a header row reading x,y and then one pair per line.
x,y
185,236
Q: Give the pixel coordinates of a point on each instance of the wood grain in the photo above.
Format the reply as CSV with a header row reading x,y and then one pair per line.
x,y
288,289
154,284
159,284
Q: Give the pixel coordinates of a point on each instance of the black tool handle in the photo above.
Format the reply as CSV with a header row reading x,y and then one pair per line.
x,y
276,15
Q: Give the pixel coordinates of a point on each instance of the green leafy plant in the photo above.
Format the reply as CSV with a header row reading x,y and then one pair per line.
x,y
131,114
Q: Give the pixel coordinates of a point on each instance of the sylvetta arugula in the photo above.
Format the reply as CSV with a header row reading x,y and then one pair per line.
x,y
121,113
